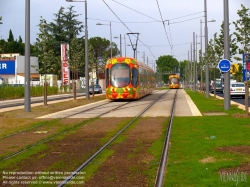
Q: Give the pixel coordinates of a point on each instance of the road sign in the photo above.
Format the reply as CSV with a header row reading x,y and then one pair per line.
x,y
224,65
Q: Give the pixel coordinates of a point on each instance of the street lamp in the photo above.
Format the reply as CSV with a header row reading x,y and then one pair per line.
x,y
201,31
110,36
27,101
86,49
205,45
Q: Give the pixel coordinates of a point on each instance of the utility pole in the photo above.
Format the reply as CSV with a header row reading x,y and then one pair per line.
x,y
27,106
226,56
206,44
194,62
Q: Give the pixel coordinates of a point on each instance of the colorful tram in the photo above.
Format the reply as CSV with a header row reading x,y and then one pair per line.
x,y
173,81
127,78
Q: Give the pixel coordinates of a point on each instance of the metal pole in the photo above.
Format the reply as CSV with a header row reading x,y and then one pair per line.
x,y
111,46
194,62
226,56
206,43
120,45
125,44
188,69
27,57
191,61
86,53
246,83
201,50
196,49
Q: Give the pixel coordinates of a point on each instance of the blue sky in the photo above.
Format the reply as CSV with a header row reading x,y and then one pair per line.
x,y
153,36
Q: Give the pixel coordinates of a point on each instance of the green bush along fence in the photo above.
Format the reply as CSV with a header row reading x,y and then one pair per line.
x,y
17,91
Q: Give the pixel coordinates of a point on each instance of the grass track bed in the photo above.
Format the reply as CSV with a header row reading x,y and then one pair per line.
x,y
210,150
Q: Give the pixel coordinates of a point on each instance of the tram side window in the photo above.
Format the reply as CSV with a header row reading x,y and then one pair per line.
x,y
134,77
107,77
145,78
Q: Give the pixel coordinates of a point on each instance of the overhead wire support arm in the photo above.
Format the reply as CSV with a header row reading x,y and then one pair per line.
x,y
134,46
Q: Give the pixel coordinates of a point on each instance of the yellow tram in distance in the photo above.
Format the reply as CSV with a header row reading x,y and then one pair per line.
x,y
127,78
174,81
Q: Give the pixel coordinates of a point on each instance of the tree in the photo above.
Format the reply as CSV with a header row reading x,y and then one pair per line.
x,y
12,46
167,64
44,47
2,45
64,28
11,37
183,65
77,56
219,45
213,58
242,27
101,51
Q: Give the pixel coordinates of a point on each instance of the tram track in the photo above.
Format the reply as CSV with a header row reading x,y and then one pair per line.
x,y
57,134
42,124
87,121
44,140
161,170
88,161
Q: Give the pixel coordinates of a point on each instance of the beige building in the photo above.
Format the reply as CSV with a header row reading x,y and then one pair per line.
x,y
9,55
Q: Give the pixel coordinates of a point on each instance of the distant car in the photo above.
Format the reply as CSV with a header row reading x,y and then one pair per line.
x,y
237,89
97,89
218,88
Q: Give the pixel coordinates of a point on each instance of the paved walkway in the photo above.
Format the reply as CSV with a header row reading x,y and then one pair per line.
x,y
184,107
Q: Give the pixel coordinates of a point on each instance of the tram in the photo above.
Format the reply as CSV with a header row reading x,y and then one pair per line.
x,y
127,78
173,81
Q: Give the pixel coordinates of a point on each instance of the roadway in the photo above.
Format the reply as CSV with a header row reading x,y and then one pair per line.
x,y
239,100
20,102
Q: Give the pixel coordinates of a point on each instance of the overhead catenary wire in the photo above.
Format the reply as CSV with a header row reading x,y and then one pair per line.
x,y
187,15
185,20
127,21
171,46
142,22
128,27
155,21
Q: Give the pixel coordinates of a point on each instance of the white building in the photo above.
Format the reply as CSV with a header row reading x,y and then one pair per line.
x,y
12,68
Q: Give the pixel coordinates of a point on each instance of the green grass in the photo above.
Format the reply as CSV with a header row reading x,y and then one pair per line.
x,y
211,104
11,163
96,163
196,138
111,133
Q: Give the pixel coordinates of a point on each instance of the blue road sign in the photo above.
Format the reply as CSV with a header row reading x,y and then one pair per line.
x,y
224,65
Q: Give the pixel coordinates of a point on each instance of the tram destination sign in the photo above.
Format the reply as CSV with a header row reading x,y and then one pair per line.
x,y
224,65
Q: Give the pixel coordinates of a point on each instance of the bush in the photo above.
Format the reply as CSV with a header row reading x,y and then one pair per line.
x,y
17,91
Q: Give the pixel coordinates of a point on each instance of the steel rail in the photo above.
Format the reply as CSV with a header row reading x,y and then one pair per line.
x,y
161,169
74,173
60,133
40,125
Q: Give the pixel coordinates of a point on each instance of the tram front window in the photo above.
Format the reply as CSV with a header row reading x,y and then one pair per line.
x,y
120,75
174,81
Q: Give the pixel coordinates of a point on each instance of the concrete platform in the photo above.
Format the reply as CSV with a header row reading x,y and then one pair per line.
x,y
184,107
